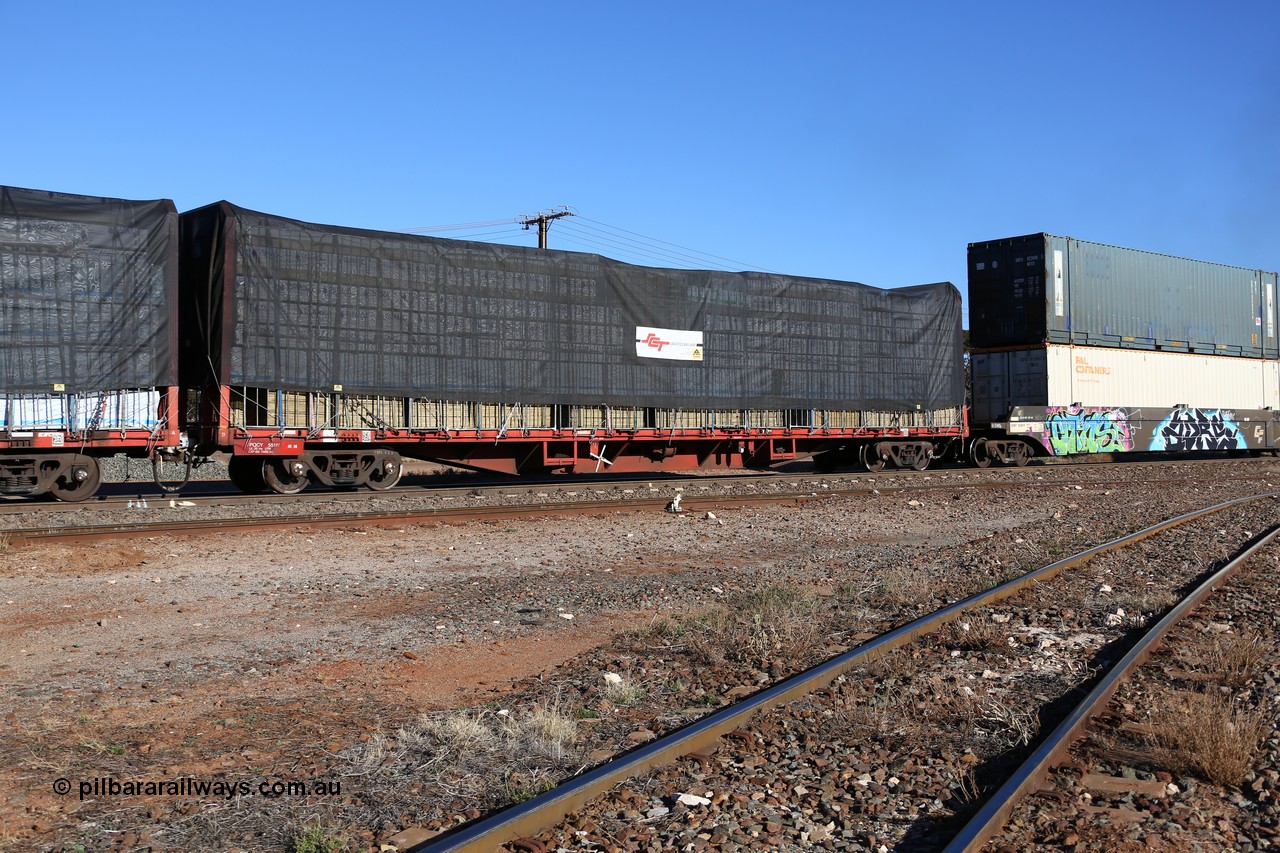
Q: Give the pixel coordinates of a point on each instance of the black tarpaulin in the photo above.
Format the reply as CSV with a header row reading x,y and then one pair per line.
x,y
87,292
284,304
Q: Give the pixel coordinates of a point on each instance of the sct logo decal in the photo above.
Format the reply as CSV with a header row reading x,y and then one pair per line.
x,y
652,340
671,344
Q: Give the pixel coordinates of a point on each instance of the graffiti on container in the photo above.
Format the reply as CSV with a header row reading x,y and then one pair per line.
x,y
1073,429
1198,429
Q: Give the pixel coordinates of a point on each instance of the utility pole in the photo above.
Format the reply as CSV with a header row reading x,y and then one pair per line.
x,y
544,221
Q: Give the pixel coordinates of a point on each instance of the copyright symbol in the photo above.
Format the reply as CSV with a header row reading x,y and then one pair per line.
x,y
61,786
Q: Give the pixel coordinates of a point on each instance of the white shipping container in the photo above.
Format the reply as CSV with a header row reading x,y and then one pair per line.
x,y
1099,377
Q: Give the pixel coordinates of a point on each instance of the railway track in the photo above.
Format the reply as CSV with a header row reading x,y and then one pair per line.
x,y
527,826
504,501
221,493
404,618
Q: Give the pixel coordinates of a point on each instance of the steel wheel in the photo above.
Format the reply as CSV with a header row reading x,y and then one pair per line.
x,y
980,453
245,473
80,481
283,475
922,460
385,471
1020,455
870,458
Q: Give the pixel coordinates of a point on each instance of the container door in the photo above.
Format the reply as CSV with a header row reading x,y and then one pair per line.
x,y
1270,343
1007,292
990,387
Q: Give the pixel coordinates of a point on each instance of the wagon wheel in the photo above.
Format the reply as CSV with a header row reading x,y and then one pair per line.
x,y
980,453
922,460
1020,454
245,473
869,455
283,476
385,471
80,481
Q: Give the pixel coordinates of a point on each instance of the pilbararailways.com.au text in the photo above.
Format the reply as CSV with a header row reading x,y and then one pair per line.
x,y
188,786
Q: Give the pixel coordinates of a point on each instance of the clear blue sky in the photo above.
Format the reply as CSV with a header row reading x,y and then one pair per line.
x,y
860,141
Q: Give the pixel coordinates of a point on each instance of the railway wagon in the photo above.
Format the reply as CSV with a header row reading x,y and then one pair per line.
x,y
1086,348
88,334
317,353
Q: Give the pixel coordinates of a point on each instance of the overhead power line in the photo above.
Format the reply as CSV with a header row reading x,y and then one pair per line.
x,y
653,250
599,237
460,226
738,264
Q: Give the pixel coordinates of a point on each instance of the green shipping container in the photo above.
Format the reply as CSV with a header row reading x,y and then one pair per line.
x,y
1041,289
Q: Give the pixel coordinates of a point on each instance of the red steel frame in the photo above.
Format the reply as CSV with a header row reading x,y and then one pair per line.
x,y
104,442
577,451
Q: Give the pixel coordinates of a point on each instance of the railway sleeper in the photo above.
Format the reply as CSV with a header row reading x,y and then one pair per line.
x,y
376,468
67,476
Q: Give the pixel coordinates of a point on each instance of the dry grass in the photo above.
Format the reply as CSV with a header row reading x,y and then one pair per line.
x,y
754,627
892,720
485,757
1233,658
1146,602
934,715
977,635
1009,725
543,731
967,788
902,586
624,691
1209,735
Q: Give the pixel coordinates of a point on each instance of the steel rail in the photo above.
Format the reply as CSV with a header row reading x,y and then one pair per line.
x,y
1033,773
703,735
94,532
221,493
90,533
218,492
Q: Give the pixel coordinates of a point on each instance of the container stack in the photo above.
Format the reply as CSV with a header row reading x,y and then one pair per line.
x,y
1064,323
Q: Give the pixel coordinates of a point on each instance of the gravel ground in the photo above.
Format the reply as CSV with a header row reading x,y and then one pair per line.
x,y
312,655
900,750
1192,742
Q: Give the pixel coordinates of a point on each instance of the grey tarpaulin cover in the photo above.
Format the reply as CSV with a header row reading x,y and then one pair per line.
x,y
88,292
285,304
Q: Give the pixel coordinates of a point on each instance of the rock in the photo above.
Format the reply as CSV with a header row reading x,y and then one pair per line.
x,y
410,837
693,800
612,678
658,811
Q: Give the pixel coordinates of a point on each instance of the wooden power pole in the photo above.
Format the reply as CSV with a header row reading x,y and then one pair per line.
x,y
544,221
